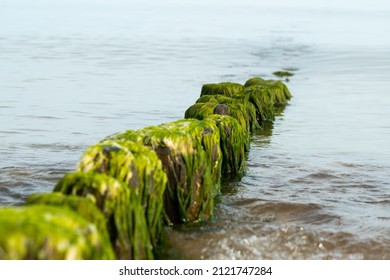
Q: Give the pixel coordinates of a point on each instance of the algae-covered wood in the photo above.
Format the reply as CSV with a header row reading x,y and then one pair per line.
x,y
191,157
234,141
264,95
226,88
138,167
44,232
263,100
81,205
239,108
254,81
121,207
277,89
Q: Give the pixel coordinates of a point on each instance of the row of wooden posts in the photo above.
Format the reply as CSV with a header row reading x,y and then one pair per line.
x,y
131,185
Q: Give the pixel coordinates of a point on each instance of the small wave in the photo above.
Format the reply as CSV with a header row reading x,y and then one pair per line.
x,y
381,202
286,212
11,132
281,242
44,117
55,146
18,182
323,175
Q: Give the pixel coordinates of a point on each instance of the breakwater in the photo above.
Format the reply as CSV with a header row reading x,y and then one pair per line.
x,y
130,185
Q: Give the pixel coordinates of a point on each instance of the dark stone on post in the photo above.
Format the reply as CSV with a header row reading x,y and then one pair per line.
x,y
222,109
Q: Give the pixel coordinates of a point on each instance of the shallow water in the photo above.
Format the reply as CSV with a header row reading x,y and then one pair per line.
x,y
317,183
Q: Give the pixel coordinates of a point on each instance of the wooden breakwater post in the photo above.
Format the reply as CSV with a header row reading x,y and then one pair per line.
x,y
130,185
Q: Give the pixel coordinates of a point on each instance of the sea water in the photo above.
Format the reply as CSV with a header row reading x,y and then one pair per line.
x,y
317,184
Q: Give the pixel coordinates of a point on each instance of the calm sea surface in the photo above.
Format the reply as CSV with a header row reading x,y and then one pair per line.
x,y
317,184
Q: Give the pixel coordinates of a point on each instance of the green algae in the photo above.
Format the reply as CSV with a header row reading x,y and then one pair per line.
x,y
83,206
226,88
230,94
239,108
255,81
244,112
121,206
280,92
190,153
201,111
45,232
277,89
266,96
234,135
234,142
136,165
263,100
282,74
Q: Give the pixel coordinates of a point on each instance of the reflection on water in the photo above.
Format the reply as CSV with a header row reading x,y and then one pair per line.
x,y
317,181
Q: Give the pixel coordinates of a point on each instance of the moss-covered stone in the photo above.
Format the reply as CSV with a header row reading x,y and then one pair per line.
x,y
49,233
225,88
136,165
190,153
121,206
234,141
83,206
